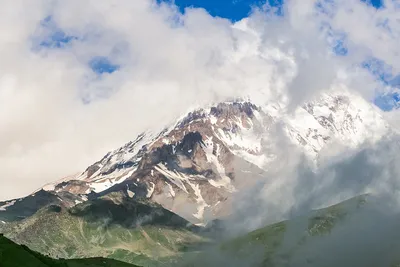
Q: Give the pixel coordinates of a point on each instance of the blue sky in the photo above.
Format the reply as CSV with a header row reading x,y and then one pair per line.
x,y
231,9
237,9
102,65
57,39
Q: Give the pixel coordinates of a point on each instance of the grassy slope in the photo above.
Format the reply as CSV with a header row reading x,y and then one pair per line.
x,y
147,235
113,227
276,244
13,255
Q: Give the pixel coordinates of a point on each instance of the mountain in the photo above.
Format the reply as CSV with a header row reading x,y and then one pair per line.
x,y
14,255
194,166
140,203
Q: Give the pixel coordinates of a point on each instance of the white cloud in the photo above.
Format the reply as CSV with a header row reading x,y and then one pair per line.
x,y
169,63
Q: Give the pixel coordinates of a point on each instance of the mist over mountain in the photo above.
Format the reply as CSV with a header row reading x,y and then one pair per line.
x,y
173,133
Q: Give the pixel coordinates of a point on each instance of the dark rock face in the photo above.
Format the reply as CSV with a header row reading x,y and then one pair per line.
x,y
123,165
27,206
92,169
236,108
171,155
192,116
189,142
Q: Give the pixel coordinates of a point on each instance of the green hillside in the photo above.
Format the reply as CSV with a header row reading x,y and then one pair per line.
x,y
355,232
111,227
13,255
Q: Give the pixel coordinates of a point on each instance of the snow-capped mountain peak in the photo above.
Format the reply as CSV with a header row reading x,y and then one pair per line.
x,y
194,166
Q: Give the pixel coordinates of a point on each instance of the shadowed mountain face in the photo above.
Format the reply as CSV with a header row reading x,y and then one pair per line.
x,y
127,213
19,209
13,255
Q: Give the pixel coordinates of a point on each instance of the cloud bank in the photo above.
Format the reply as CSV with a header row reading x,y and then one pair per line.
x,y
58,113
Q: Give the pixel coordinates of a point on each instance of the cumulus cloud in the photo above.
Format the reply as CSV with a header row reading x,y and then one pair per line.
x,y
57,116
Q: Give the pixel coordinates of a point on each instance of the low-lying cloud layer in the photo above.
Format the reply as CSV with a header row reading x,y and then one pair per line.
x,y
365,235
57,115
294,187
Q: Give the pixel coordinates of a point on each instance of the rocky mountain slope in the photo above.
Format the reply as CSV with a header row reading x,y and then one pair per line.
x,y
194,166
